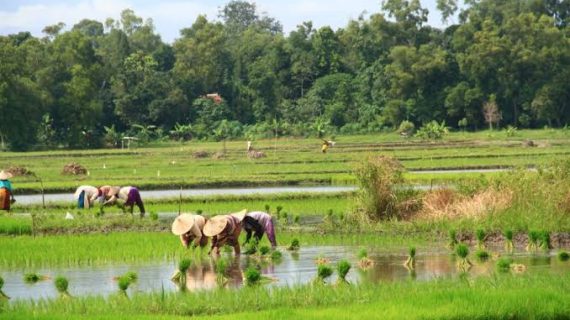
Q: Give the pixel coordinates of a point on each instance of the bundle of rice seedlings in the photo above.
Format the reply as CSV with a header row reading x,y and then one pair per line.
x,y
342,269
452,239
252,276
563,256
32,278
276,255
462,252
544,240
533,237
250,248
180,274
3,296
508,240
504,264
364,262
221,267
323,272
294,245
264,250
132,276
124,282
480,234
482,255
61,284
411,261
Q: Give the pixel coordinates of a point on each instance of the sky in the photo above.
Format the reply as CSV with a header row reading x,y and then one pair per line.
x,y
170,16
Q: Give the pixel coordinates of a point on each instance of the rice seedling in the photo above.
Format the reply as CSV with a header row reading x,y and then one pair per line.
x,y
252,276
533,238
296,219
411,261
364,262
342,269
264,250
285,218
3,296
267,207
544,240
61,285
480,234
153,216
504,264
323,272
180,274
123,283
462,251
452,239
278,210
294,245
32,278
563,256
508,234
482,255
276,255
221,267
132,276
250,248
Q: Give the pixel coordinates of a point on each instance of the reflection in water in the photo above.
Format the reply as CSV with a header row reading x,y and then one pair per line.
x,y
292,268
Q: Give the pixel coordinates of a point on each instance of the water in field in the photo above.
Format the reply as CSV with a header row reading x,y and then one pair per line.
x,y
294,268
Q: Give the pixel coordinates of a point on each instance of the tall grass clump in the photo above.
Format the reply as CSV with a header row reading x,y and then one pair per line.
x,y
563,256
3,296
376,198
411,261
480,234
342,269
462,252
452,242
61,285
508,234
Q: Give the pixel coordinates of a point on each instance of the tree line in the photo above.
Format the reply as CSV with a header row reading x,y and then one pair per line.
x,y
504,62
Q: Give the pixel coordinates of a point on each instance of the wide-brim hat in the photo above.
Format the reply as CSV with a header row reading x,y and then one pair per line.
x,y
239,215
5,175
183,223
215,226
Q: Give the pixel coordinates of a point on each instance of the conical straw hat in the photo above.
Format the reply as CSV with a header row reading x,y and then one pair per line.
x,y
182,224
239,215
5,175
215,226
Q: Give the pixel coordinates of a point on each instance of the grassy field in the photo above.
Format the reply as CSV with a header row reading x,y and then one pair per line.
x,y
288,161
499,296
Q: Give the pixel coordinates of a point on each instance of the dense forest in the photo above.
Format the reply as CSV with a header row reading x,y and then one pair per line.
x,y
505,62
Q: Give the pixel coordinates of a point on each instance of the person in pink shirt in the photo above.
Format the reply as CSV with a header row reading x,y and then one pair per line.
x,y
258,223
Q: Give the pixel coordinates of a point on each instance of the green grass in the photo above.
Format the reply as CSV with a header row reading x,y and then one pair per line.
x,y
294,161
501,296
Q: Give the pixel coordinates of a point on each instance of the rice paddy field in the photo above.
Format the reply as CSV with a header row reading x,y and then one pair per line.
x,y
489,243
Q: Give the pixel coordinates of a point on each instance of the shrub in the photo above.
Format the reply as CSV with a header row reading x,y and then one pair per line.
x,y
376,198
432,131
406,128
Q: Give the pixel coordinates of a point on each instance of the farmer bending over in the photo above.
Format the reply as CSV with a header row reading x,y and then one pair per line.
x,y
224,230
130,196
86,196
189,227
258,223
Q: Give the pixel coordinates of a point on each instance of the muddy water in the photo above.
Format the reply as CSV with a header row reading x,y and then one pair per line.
x,y
294,268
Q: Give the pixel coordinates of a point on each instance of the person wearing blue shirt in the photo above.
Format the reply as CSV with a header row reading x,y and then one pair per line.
x,y
6,192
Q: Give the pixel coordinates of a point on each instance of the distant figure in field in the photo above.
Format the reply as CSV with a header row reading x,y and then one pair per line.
x,y
127,195
190,227
252,153
86,196
6,191
326,145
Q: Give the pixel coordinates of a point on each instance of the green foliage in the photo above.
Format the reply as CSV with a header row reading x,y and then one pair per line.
x,y
412,252
511,131
132,276
61,284
276,255
31,278
184,264
482,255
462,250
250,248
123,283
406,128
452,238
504,264
562,256
264,250
362,253
324,271
153,216
432,131
295,245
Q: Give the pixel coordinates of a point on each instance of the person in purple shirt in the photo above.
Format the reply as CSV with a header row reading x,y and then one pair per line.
x,y
258,223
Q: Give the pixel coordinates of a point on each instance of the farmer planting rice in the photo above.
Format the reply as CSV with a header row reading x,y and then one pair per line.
x,y
129,195
6,195
258,223
86,196
224,230
189,227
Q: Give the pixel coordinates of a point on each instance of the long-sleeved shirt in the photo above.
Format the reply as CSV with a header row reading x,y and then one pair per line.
x,y
266,222
6,184
123,194
229,235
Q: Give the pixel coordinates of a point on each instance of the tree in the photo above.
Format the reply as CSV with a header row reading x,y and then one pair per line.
x,y
491,112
